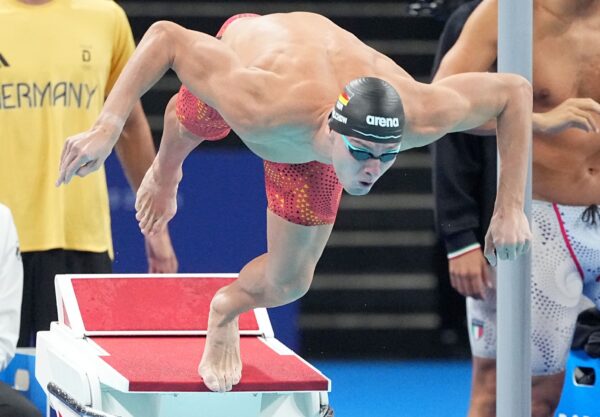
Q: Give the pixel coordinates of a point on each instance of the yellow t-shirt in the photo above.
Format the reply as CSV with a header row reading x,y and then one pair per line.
x,y
58,61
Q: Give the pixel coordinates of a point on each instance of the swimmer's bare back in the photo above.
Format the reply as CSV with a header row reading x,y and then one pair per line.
x,y
287,80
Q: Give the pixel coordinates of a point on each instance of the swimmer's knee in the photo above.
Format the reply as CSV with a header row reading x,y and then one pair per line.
x,y
483,395
545,394
298,288
172,127
291,285
483,405
484,378
485,366
544,405
543,409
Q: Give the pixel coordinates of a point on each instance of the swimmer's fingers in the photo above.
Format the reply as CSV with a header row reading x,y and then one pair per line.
x,y
526,246
511,251
67,158
523,247
73,165
519,248
578,113
506,252
583,120
73,158
587,104
66,151
88,168
490,250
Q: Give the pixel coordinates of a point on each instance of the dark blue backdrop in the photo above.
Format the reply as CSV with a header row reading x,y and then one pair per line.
x,y
220,223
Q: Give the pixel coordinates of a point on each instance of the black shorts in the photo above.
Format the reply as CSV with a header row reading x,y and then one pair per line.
x,y
39,296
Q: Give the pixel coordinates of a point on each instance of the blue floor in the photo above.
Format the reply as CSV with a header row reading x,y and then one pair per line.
x,y
398,388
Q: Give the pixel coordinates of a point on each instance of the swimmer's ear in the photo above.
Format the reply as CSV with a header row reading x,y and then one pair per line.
x,y
331,132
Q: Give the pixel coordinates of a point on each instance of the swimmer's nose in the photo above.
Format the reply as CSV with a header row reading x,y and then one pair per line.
x,y
372,168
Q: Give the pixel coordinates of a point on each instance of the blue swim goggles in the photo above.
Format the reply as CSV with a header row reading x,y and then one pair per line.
x,y
363,154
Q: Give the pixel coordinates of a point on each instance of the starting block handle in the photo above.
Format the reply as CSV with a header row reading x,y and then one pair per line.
x,y
64,397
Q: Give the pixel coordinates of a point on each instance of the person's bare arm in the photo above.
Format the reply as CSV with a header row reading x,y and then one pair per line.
x,y
135,148
475,49
202,63
464,101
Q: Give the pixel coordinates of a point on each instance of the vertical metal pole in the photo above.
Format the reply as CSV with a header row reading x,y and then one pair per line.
x,y
515,21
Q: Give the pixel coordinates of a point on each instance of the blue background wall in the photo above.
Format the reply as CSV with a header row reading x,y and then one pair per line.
x,y
220,223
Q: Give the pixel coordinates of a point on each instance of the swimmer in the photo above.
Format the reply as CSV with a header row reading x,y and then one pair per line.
x,y
325,112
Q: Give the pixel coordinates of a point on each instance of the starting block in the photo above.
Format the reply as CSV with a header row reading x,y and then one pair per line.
x,y
130,345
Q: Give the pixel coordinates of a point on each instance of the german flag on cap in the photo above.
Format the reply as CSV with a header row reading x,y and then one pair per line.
x,y
343,98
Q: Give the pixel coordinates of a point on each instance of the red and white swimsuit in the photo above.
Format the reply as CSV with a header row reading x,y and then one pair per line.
x,y
565,266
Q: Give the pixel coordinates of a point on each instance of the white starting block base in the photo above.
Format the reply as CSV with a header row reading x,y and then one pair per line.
x,y
187,404
81,366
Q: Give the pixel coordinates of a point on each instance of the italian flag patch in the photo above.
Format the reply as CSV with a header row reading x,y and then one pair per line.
x,y
477,329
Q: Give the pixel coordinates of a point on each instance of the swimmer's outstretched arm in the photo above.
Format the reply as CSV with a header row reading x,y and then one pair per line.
x,y
204,64
465,101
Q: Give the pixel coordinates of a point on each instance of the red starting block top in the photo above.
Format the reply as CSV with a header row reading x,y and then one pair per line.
x,y
96,305
151,330
169,364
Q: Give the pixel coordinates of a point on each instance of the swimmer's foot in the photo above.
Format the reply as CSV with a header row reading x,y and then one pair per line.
x,y
221,364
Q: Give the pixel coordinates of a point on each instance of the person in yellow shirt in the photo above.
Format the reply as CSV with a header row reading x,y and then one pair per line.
x,y
61,62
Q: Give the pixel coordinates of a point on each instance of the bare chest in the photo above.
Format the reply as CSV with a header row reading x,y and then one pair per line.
x,y
566,65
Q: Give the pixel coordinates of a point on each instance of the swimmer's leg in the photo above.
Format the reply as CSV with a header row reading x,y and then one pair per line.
x,y
156,200
278,277
483,388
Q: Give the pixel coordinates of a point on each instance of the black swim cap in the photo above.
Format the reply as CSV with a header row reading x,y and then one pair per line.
x,y
370,109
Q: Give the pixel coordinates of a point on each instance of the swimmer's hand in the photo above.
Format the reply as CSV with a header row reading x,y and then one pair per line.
x,y
156,200
86,152
470,274
508,236
572,113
